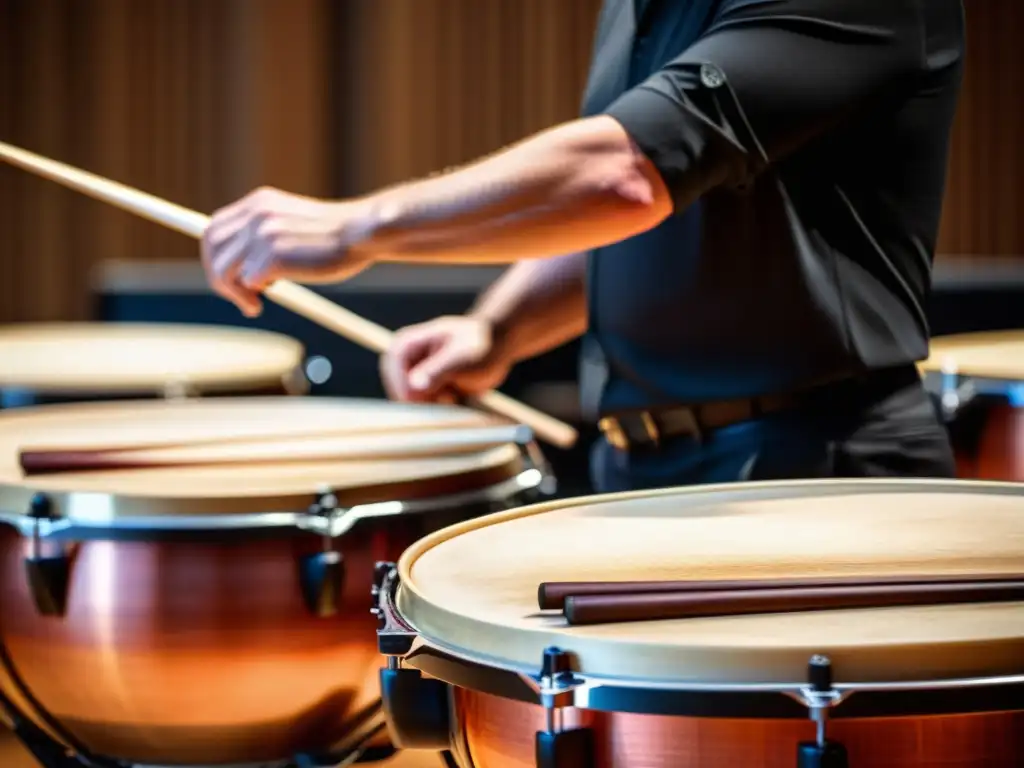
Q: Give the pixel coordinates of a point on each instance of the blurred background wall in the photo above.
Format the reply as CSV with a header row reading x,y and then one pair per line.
x,y
198,101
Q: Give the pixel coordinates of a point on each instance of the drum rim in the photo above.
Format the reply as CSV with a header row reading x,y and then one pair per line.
x,y
299,518
409,600
90,511
792,700
254,377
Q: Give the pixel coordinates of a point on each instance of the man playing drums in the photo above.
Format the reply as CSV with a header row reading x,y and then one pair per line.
x,y
741,226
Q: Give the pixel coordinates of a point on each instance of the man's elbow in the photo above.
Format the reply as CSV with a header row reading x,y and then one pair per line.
x,y
636,189
616,178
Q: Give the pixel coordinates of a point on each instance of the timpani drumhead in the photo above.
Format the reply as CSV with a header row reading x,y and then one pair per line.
x,y
111,358
244,488
987,355
472,588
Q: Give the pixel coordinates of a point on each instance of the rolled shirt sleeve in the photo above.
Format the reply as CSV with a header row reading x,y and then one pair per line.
x,y
764,79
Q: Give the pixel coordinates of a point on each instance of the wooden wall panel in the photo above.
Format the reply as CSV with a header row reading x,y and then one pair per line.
x,y
984,209
440,82
196,101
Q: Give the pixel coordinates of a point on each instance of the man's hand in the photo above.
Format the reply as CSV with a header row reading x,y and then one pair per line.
x,y
569,189
273,235
438,360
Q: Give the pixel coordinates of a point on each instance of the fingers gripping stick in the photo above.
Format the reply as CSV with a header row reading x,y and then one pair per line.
x,y
290,295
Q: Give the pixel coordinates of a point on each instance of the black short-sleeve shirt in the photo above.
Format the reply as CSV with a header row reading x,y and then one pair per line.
x,y
804,143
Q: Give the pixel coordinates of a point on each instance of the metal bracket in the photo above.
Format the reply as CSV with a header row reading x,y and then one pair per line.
x,y
322,575
820,696
558,746
416,707
394,636
47,575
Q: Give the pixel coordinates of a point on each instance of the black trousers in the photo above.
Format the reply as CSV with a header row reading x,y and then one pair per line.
x,y
881,425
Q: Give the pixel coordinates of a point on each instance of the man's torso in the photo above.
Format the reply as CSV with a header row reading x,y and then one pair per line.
x,y
819,269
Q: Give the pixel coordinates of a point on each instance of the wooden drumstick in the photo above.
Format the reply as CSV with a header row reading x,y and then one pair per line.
x,y
610,609
290,295
324,448
551,595
250,438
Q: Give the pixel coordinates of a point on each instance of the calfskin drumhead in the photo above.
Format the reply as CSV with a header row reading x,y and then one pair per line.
x,y
112,358
471,589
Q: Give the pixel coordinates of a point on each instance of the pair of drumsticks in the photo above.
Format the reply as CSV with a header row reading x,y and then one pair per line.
x,y
298,299
608,602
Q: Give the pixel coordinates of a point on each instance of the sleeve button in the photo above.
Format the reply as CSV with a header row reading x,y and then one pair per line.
x,y
711,76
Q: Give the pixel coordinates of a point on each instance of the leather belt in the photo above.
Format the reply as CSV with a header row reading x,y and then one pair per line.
x,y
649,428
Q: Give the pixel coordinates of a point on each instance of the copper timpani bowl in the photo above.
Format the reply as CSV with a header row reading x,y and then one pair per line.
x,y
219,615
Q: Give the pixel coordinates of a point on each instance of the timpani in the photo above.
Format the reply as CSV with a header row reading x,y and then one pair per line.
x,y
48,362
220,614
900,686
978,379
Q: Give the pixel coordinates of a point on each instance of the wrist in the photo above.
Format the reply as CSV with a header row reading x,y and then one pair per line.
x,y
503,346
362,227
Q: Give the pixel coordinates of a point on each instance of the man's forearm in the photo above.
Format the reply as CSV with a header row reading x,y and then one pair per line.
x,y
536,306
572,188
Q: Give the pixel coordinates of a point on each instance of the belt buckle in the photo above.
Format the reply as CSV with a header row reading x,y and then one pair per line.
x,y
619,437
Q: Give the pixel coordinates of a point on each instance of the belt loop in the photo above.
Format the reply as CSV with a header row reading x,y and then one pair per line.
x,y
651,427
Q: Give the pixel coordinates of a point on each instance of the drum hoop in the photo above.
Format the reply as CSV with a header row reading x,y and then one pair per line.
x,y
719,700
97,527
